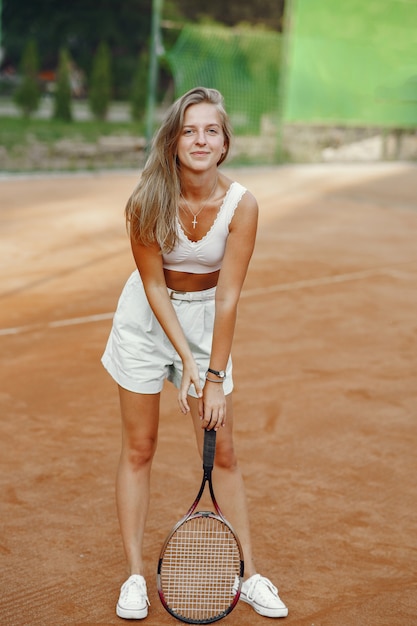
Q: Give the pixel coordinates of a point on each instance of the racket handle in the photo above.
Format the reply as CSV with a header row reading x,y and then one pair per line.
x,y
209,449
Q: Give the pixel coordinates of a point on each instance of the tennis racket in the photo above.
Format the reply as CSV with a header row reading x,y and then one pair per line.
x,y
201,559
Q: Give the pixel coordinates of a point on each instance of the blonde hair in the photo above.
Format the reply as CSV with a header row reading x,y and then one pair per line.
x,y
151,210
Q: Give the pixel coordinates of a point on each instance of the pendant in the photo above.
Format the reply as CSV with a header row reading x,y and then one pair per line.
x,y
194,222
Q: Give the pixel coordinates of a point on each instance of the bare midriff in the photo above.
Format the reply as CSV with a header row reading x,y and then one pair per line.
x,y
184,281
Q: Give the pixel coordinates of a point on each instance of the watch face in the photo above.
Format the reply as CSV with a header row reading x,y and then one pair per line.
x,y
220,374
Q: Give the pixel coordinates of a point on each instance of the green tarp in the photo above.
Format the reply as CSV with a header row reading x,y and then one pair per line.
x,y
351,63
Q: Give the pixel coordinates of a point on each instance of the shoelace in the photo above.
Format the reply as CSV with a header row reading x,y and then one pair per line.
x,y
132,587
255,582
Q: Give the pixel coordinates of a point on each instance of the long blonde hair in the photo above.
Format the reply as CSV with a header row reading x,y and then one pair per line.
x,y
151,210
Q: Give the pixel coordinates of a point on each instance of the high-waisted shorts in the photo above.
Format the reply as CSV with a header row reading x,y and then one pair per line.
x,y
139,355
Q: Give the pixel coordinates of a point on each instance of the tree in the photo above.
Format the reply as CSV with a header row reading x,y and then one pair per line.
x,y
139,89
100,84
268,13
62,109
28,93
125,25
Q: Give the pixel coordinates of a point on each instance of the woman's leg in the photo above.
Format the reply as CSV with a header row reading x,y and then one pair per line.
x,y
227,481
140,418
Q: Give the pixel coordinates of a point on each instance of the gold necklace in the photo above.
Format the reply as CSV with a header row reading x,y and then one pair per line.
x,y
195,215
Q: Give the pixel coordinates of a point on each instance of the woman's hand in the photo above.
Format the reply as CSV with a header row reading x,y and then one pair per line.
x,y
212,406
190,376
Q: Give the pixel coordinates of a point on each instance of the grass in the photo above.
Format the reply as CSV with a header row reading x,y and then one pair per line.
x,y
16,131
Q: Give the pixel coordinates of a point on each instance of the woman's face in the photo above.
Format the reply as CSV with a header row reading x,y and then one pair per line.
x,y
202,142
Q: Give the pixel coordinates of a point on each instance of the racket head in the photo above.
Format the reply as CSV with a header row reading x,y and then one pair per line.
x,y
200,562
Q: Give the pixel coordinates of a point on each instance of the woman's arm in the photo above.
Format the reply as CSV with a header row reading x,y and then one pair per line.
x,y
149,263
239,249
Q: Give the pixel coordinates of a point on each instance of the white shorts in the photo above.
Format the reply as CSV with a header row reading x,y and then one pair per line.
x,y
139,355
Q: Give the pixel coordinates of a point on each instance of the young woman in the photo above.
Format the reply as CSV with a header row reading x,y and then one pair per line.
x,y
192,233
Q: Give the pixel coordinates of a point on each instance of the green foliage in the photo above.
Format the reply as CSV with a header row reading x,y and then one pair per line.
x,y
28,93
80,25
101,83
139,89
123,69
233,12
62,108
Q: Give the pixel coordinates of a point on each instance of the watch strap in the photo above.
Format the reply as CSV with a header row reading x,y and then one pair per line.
x,y
220,374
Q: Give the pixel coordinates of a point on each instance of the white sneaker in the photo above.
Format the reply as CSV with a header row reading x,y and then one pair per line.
x,y
262,596
133,600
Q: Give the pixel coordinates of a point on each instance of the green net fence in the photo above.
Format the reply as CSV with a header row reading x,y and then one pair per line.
x,y
244,64
352,63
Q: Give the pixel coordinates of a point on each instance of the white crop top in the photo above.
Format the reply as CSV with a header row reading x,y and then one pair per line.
x,y
206,254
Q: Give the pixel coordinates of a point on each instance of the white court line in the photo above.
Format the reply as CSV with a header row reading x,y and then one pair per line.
x,y
74,321
250,293
316,282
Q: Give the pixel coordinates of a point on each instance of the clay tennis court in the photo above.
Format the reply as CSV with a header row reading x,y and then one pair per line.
x,y
326,398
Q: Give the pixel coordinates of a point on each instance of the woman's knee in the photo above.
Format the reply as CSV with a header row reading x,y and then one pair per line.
x,y
225,456
139,452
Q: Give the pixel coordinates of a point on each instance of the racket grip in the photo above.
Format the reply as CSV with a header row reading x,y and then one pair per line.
x,y
209,449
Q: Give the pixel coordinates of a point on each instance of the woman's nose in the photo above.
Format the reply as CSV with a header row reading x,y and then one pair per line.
x,y
201,137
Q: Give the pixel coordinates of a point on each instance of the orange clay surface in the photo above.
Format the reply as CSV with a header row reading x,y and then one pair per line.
x,y
325,361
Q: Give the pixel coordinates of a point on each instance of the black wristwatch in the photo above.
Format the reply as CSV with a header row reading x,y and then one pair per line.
x,y
220,374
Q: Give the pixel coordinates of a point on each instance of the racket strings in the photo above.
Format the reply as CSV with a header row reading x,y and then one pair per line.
x,y
199,567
